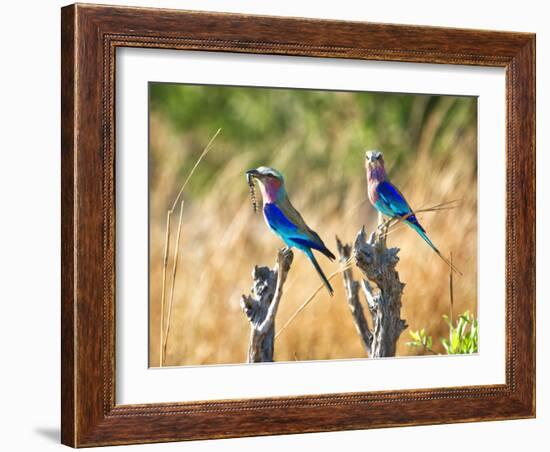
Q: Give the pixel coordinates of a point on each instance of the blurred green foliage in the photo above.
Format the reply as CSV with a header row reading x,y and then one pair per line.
x,y
268,124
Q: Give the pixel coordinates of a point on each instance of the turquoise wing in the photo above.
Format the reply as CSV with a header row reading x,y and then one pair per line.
x,y
394,199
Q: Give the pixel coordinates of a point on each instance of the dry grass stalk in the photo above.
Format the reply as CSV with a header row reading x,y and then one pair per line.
x,y
163,329
384,226
391,222
163,296
172,287
344,267
451,289
204,152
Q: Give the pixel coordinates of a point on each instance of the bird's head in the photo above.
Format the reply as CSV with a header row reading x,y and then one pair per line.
x,y
270,181
374,164
374,158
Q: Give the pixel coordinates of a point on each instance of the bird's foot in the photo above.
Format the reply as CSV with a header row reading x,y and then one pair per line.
x,y
285,251
285,257
381,234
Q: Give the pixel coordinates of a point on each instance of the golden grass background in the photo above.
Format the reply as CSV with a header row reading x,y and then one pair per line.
x,y
222,239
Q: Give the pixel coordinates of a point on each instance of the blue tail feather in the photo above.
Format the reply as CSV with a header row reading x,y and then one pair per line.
x,y
316,246
422,233
311,257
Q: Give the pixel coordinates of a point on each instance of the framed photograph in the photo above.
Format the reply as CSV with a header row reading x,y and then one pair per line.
x,y
282,225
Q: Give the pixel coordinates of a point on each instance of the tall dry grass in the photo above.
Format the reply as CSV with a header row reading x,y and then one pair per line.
x,y
222,240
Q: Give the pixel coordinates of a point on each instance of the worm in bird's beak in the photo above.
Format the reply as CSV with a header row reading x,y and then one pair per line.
x,y
250,181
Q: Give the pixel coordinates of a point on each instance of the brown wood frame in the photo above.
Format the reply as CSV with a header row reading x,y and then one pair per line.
x,y
90,35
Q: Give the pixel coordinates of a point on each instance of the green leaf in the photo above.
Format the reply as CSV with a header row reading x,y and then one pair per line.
x,y
455,342
446,345
447,320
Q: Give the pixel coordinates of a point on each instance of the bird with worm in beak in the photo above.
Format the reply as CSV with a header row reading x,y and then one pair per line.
x,y
284,220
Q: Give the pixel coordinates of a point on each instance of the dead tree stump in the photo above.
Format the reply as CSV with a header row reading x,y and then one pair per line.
x,y
261,306
377,264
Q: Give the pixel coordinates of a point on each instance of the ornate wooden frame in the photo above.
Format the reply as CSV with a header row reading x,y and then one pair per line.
x,y
90,35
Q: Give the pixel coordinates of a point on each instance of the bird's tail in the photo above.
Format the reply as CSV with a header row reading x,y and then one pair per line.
x,y
425,237
311,257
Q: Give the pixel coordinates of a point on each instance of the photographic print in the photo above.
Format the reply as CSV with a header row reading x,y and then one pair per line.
x,y
297,225
265,216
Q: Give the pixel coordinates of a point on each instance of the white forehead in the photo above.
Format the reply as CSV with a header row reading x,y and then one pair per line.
x,y
373,155
266,170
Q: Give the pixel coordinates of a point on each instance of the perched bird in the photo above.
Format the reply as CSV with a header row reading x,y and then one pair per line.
x,y
283,219
389,201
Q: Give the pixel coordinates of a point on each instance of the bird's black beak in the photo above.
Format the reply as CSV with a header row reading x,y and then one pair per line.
x,y
250,174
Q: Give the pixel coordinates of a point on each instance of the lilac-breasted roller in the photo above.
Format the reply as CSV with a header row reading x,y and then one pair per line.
x,y
285,221
389,201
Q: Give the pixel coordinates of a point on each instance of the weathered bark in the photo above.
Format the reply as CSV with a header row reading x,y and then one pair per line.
x,y
377,264
261,306
352,294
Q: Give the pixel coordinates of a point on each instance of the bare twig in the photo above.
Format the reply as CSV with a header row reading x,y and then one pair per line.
x,y
174,270
283,266
352,295
377,263
261,306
